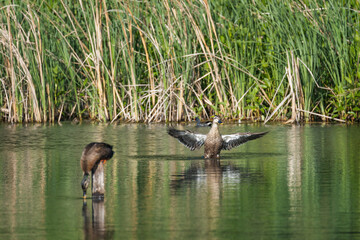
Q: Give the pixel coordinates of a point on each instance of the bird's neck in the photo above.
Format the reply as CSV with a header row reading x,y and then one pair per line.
x,y
214,129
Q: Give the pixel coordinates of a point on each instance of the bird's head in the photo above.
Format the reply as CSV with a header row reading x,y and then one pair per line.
x,y
217,120
85,184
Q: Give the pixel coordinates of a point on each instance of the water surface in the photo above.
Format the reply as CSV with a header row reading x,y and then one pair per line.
x,y
297,182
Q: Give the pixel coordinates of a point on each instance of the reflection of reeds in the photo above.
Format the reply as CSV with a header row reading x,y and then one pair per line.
x,y
173,59
24,177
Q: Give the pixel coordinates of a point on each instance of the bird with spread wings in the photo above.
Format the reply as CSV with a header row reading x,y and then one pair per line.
x,y
213,142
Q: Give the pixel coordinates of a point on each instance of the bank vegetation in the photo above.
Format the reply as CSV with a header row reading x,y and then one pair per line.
x,y
172,60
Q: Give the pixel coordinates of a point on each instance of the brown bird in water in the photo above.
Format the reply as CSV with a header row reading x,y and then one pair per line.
x,y
91,156
213,142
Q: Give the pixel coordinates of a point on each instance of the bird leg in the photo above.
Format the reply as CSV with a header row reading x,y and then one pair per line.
x,y
103,161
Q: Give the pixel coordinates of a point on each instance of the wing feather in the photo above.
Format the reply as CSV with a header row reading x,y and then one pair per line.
x,y
188,138
234,140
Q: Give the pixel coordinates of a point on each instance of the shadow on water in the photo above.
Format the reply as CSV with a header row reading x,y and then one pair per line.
x,y
225,156
94,226
166,157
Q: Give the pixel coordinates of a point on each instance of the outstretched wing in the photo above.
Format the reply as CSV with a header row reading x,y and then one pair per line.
x,y
234,140
189,139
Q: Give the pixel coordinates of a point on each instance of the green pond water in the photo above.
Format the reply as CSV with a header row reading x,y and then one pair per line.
x,y
297,182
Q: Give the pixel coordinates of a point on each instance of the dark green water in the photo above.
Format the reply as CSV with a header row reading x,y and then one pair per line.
x,y
297,182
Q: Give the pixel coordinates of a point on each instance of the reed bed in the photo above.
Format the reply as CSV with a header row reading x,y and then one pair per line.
x,y
172,60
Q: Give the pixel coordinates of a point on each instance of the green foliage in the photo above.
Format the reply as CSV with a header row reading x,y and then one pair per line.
x,y
171,60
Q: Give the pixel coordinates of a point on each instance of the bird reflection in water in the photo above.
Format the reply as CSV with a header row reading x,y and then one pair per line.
x,y
212,172
94,225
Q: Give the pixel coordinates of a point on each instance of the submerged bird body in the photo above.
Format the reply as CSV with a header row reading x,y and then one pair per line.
x,y
91,156
213,142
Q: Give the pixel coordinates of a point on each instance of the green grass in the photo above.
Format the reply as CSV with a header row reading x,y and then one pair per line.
x,y
171,60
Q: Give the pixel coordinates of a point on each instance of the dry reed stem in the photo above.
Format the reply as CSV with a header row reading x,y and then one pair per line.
x,y
35,28
321,115
213,30
151,78
12,103
7,41
207,53
112,64
292,79
275,94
